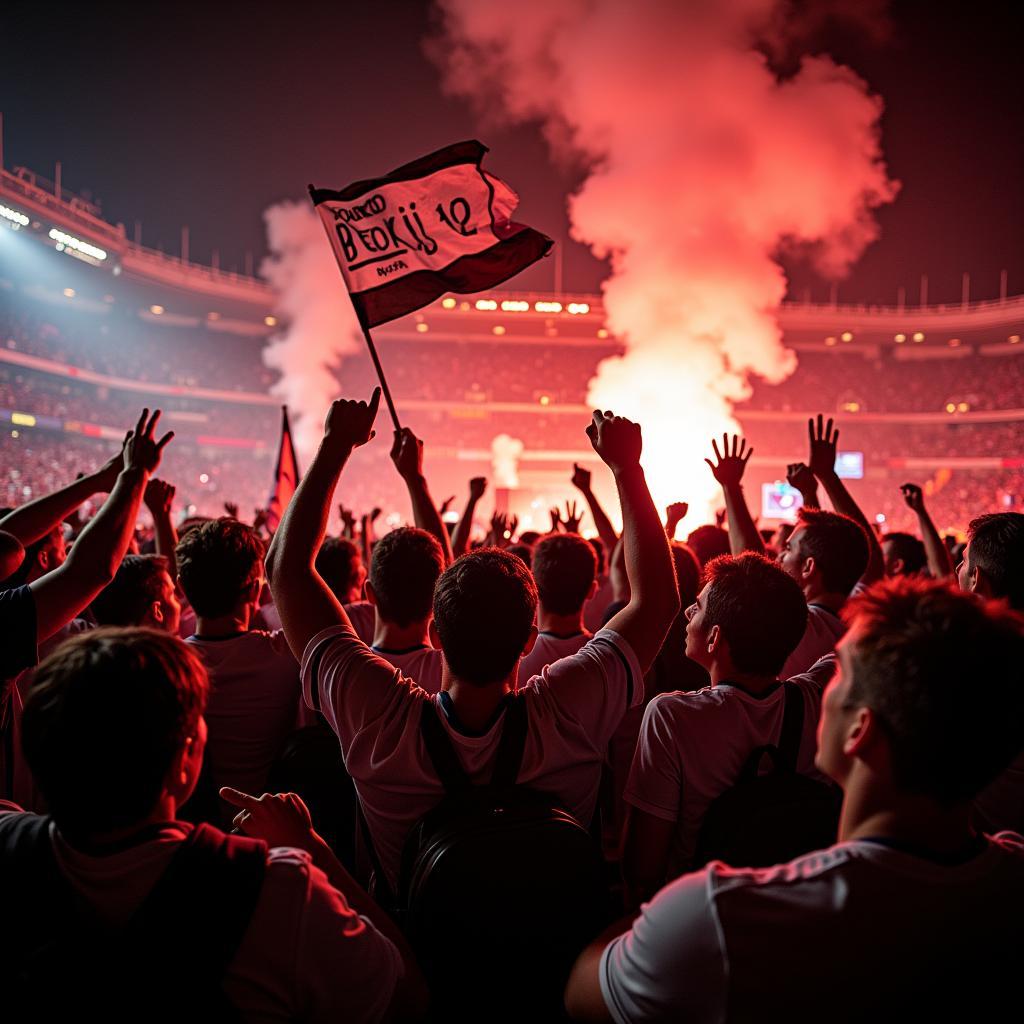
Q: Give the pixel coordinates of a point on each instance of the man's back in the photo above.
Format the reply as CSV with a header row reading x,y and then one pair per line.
x,y
860,931
549,648
571,716
305,952
824,630
255,702
692,747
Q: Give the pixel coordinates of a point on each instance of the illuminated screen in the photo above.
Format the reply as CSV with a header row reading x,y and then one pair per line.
x,y
780,501
850,465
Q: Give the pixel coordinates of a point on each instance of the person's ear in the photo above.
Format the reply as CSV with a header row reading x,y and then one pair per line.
x,y
592,591
156,612
435,637
898,566
862,733
978,582
371,595
530,641
43,560
714,639
807,570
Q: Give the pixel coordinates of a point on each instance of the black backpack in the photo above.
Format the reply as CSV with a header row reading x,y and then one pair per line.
x,y
166,964
500,888
767,819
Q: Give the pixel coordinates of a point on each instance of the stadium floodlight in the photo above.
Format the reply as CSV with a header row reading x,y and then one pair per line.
x,y
548,307
449,303
66,241
23,419
578,307
14,216
515,306
486,304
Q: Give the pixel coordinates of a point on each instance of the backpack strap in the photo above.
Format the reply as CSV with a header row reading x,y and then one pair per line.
x,y
792,728
511,745
442,754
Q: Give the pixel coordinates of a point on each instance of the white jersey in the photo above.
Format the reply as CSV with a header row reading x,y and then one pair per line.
x,y
422,664
549,648
824,630
572,712
861,931
692,747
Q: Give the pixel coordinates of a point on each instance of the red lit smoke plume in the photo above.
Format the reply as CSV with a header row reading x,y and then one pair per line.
x,y
702,163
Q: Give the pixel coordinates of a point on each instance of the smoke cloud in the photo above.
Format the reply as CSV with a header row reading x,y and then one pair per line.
x,y
321,325
505,454
702,163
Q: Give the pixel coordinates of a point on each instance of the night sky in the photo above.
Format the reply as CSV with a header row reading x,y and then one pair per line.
x,y
178,116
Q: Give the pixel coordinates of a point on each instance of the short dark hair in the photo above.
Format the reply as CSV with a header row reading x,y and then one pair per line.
x,y
759,608
838,546
404,568
523,551
484,606
602,558
215,562
688,572
995,545
708,542
105,716
126,598
909,550
564,566
944,673
338,563
529,537
28,561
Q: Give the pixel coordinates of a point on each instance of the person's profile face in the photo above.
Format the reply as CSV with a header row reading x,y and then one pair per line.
x,y
697,630
963,575
790,560
169,604
835,715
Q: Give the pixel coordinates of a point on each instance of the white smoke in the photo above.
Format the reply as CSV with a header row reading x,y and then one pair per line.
x,y
505,454
702,164
321,326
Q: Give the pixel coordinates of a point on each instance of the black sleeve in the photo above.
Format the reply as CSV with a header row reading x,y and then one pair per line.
x,y
18,648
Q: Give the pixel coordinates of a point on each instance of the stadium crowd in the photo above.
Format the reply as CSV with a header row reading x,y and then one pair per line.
x,y
251,769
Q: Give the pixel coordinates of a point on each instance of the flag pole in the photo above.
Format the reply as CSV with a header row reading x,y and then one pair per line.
x,y
367,337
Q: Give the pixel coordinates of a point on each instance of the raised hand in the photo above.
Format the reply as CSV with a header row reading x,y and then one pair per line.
x,y
799,475
913,496
445,505
407,454
348,521
281,819
158,497
824,442
350,424
616,439
107,474
732,462
572,519
556,520
580,478
477,486
503,529
141,451
675,514
231,508
259,519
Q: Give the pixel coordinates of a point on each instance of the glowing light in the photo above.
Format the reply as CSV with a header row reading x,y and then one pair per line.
x,y
156,310
578,307
918,336
498,329
963,407
66,241
486,304
23,419
830,341
448,303
851,407
880,517
422,328
1014,339
950,407
900,338
69,293
15,433
204,478
515,306
846,336
954,342
602,333
548,307
14,216
213,316
270,321
544,399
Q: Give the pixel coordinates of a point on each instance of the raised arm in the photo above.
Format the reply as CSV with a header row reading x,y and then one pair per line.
x,y
35,519
407,455
824,442
728,471
69,589
463,528
304,601
674,515
159,498
605,530
940,562
654,594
